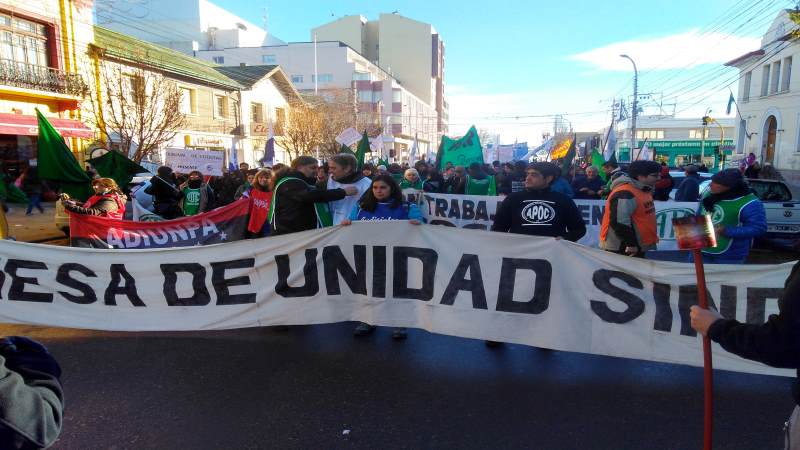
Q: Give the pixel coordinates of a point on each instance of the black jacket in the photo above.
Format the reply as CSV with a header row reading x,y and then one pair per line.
x,y
689,189
540,213
294,204
775,343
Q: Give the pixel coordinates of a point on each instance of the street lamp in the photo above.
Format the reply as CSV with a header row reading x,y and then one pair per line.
x,y
635,106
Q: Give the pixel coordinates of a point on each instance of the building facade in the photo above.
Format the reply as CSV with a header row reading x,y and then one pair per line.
x,y
411,51
185,25
224,108
378,97
40,44
768,123
680,141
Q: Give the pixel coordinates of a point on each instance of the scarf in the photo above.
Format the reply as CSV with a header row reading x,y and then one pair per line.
x,y
732,193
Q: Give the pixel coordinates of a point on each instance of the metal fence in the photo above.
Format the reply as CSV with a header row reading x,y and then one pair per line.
x,y
41,78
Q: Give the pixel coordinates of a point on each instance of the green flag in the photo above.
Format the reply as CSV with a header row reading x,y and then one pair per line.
x,y
116,166
363,148
57,163
461,152
383,162
598,161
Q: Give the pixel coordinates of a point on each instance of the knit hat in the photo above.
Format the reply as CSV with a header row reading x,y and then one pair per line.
x,y
728,177
641,168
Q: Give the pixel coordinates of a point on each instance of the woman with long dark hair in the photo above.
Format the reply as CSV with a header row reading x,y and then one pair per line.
x,y
383,201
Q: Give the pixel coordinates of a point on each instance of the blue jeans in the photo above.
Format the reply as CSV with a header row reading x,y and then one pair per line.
x,y
34,200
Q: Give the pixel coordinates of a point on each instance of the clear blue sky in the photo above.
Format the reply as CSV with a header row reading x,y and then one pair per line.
x,y
519,57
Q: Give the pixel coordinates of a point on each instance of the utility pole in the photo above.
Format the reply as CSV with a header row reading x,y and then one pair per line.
x,y
703,136
635,104
316,75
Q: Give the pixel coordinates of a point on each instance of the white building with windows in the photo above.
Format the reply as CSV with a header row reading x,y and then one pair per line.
x,y
768,123
339,67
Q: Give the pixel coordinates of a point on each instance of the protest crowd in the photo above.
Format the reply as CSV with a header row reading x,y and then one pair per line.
x,y
536,199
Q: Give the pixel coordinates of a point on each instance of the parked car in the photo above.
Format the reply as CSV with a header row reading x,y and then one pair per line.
x,y
136,189
679,175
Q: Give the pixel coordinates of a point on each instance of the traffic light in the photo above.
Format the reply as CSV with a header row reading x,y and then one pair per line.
x,y
706,119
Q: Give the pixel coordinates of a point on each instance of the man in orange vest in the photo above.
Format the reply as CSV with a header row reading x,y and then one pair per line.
x,y
629,221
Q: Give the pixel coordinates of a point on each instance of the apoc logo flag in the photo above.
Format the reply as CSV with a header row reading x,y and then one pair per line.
x,y
538,212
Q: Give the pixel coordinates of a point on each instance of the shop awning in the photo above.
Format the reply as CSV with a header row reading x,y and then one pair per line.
x,y
28,125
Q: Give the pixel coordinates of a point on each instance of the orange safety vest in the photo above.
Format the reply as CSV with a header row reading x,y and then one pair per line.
x,y
644,216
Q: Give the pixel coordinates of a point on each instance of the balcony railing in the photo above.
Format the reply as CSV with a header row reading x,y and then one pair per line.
x,y
41,78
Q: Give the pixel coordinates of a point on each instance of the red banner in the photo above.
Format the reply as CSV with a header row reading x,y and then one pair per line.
x,y
224,224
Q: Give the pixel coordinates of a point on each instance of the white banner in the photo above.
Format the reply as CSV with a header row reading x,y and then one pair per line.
x,y
476,211
469,283
348,137
209,162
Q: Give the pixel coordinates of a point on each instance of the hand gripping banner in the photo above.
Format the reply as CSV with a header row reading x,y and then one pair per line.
x,y
459,282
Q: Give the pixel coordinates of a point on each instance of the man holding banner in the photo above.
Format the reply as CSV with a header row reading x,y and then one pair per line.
x,y
538,211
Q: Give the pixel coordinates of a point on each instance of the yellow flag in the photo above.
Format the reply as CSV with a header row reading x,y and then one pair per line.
x,y
561,149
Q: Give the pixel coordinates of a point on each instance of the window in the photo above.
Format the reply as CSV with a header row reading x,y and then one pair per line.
x,y
697,134
397,96
323,78
297,79
188,101
776,77
218,59
362,76
23,42
257,112
280,121
765,80
134,87
650,134
365,96
786,77
748,79
268,59
220,107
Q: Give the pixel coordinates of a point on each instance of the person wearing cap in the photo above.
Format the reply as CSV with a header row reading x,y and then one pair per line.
x,y
738,217
629,221
689,189
539,211
411,180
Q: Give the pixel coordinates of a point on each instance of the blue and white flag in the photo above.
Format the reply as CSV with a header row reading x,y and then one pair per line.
x,y
233,158
731,101
269,150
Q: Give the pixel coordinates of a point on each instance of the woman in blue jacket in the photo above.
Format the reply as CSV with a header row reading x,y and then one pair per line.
x,y
383,201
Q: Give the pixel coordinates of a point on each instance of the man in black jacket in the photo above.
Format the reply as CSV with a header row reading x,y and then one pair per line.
x,y
295,197
775,343
537,211
689,189
164,189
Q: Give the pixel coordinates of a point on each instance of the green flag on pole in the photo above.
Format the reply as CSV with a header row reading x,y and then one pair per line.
x,y
116,166
347,150
598,161
57,163
363,148
461,152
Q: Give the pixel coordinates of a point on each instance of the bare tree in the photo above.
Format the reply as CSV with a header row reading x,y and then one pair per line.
x,y
302,132
138,108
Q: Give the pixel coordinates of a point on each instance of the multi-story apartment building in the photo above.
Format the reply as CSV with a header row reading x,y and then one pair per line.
x,y
40,44
377,96
225,107
768,123
411,51
678,141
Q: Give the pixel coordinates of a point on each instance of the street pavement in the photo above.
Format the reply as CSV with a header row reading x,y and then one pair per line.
x,y
319,387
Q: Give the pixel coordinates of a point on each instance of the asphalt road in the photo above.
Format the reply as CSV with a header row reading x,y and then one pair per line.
x,y
319,387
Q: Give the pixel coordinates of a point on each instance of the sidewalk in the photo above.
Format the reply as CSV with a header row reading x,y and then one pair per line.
x,y
34,228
